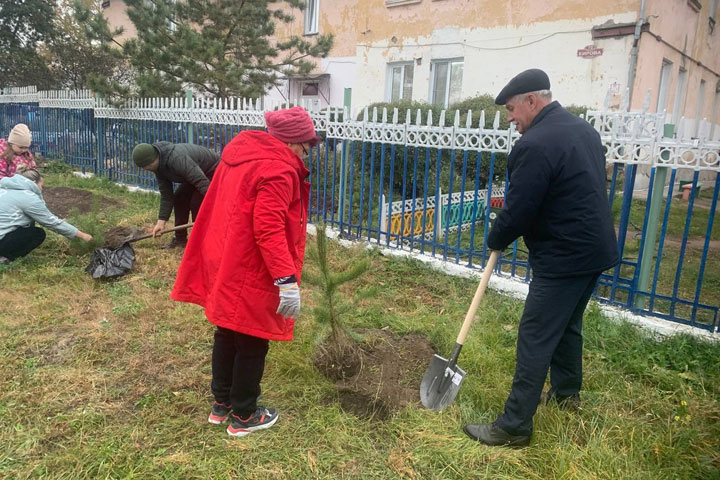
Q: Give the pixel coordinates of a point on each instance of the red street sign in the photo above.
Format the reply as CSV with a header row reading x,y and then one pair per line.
x,y
589,52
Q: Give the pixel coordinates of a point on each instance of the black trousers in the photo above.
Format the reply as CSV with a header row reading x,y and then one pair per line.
x,y
186,200
549,337
238,363
21,241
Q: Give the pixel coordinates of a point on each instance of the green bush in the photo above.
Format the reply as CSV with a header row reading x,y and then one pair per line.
x,y
403,107
431,158
476,105
577,109
55,166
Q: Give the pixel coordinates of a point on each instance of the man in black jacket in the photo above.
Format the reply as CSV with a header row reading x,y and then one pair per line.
x,y
557,200
192,166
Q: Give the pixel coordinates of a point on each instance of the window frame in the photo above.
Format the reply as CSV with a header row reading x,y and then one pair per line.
x,y
307,84
311,17
715,111
699,108
680,95
397,3
712,15
695,5
433,65
389,79
666,69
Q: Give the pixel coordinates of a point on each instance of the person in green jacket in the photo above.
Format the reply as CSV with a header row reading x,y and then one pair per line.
x,y
192,166
21,205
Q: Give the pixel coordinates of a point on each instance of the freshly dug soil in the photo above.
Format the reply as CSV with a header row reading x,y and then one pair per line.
x,y
384,375
62,200
117,236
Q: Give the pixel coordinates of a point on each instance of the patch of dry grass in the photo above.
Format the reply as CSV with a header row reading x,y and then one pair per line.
x,y
111,380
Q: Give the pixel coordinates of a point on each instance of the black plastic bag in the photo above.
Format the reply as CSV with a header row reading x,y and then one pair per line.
x,y
111,262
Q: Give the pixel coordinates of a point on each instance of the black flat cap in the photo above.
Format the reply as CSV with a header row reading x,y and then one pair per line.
x,y
528,81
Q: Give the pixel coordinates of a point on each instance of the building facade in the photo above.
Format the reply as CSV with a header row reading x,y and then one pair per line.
x,y
443,51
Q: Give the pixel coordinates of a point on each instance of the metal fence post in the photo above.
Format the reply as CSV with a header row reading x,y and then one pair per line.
x,y
347,100
649,244
189,104
100,139
439,206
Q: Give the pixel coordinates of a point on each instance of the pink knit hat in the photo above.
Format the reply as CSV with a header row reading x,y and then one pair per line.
x,y
292,125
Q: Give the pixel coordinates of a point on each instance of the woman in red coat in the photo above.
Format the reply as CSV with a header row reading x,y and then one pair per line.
x,y
244,260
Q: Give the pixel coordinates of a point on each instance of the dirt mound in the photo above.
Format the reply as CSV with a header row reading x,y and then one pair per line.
x,y
385,375
62,200
117,236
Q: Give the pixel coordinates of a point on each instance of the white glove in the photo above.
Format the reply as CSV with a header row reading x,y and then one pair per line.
x,y
289,300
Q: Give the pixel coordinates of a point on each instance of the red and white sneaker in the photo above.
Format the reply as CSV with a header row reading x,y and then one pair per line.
x,y
263,417
219,413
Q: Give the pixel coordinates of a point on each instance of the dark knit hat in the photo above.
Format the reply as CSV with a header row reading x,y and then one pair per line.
x,y
144,154
528,81
291,125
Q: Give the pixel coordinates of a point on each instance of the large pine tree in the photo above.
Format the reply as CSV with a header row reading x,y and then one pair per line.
x,y
25,25
220,48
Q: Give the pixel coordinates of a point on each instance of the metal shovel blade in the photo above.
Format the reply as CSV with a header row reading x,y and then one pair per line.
x,y
441,383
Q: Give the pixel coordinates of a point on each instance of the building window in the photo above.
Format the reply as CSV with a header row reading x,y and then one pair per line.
x,y
714,112
679,104
695,5
446,81
665,72
399,82
310,89
700,105
393,3
311,16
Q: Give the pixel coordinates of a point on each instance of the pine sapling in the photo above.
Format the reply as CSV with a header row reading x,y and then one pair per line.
x,y
340,353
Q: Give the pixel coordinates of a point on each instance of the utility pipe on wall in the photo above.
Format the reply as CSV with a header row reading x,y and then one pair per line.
x,y
634,52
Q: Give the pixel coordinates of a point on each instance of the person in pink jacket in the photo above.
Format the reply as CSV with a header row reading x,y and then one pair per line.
x,y
15,153
244,260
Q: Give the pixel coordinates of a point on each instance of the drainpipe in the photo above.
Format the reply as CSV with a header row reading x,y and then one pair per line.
x,y
634,51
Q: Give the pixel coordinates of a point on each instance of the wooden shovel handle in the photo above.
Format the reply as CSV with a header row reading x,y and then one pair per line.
x,y
174,229
470,316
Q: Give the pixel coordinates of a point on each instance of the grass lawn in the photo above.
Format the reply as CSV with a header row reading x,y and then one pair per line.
x,y
111,380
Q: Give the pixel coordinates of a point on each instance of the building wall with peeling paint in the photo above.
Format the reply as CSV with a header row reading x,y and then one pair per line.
x,y
681,35
492,56
496,40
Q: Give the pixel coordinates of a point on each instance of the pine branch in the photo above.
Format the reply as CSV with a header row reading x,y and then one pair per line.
x,y
349,275
310,278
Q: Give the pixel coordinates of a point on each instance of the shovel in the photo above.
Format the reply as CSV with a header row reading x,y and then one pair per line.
x,y
114,262
442,380
148,235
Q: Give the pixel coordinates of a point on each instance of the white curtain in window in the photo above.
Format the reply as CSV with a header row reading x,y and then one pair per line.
x,y
400,82
446,82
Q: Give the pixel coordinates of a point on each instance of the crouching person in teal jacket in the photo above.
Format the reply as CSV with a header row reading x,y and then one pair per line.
x,y
21,205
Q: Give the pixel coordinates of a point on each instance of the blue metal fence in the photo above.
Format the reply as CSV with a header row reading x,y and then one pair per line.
x,y
407,186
